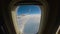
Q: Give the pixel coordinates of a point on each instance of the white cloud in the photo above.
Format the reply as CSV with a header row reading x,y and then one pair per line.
x,y
22,20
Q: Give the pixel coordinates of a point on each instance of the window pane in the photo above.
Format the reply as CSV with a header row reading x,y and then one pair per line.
x,y
28,18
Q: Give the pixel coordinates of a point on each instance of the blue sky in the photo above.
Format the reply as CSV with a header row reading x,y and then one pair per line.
x,y
32,23
28,9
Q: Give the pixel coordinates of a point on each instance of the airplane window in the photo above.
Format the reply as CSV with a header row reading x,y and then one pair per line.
x,y
28,18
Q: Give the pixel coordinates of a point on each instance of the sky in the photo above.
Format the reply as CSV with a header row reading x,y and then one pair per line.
x,y
29,9
30,22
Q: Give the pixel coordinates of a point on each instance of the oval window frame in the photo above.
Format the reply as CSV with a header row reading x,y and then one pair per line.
x,y
45,9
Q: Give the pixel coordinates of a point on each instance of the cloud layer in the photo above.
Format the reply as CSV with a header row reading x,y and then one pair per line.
x,y
26,21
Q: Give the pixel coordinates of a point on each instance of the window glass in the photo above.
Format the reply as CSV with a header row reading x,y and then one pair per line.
x,y
28,18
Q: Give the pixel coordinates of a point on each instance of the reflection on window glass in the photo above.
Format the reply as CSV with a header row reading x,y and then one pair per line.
x,y
58,30
28,18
